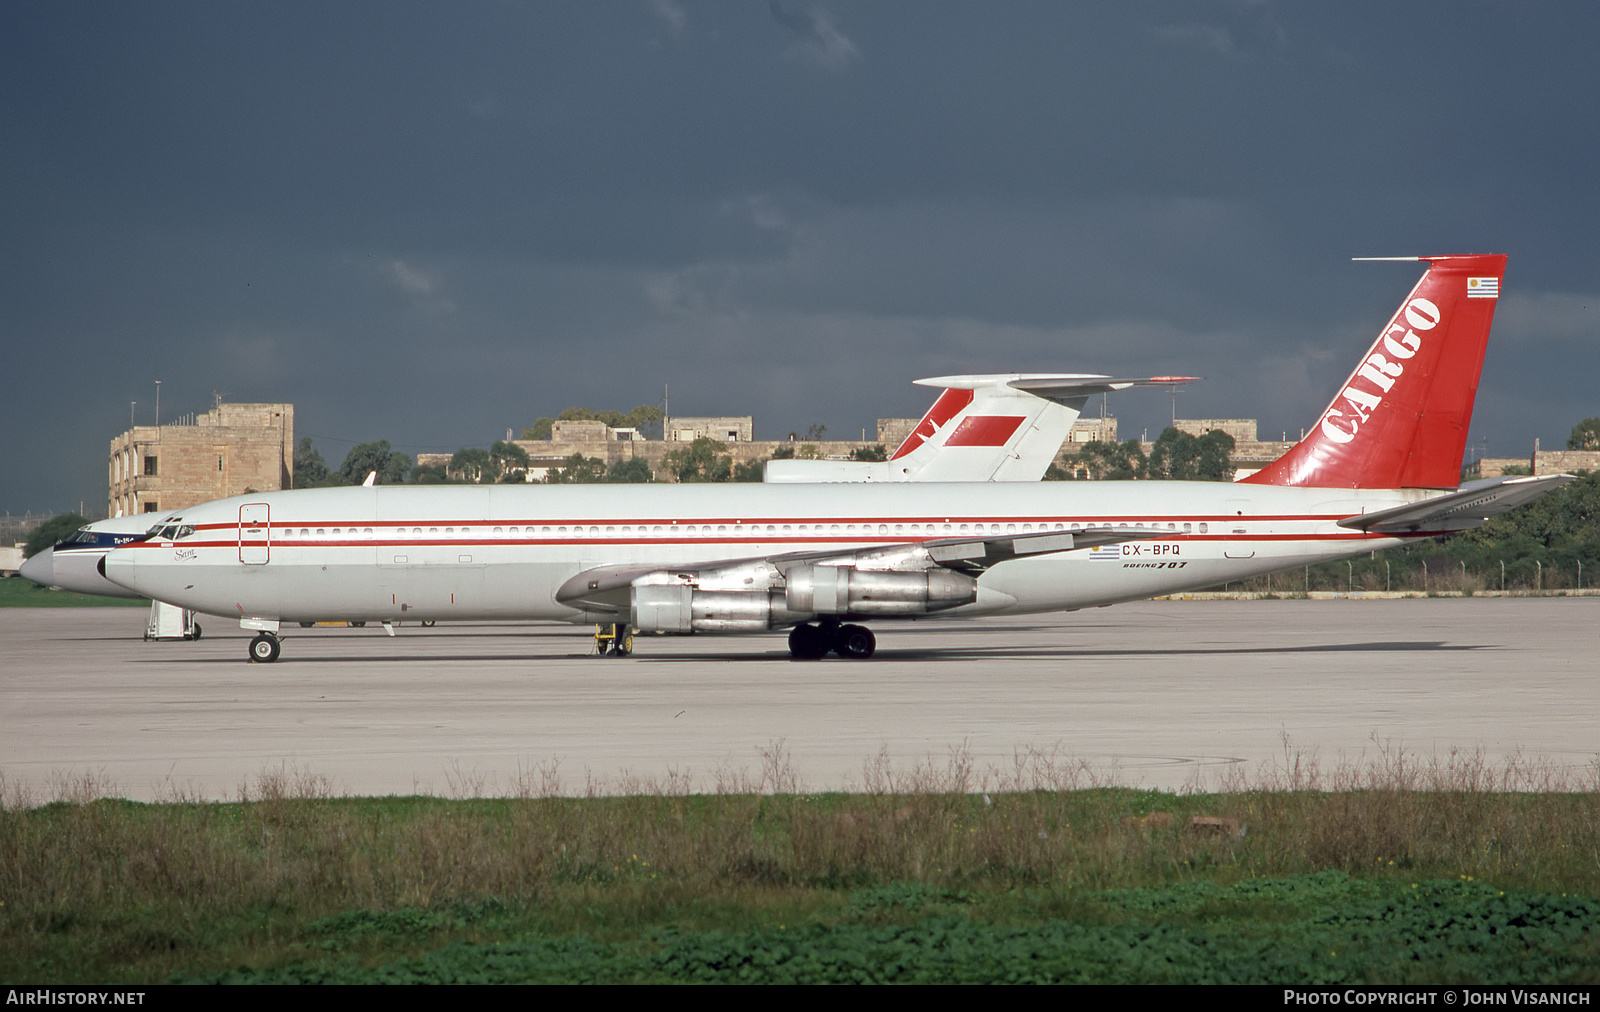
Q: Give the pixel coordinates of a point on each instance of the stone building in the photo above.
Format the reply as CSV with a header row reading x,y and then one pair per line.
x,y
1098,429
1540,462
727,429
231,450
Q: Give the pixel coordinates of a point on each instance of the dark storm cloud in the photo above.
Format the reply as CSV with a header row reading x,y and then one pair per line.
x,y
429,223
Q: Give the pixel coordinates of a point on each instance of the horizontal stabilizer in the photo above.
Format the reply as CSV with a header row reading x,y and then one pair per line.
x,y
1462,510
1057,388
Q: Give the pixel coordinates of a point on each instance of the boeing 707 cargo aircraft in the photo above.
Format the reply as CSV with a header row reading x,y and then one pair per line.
x,y
1379,467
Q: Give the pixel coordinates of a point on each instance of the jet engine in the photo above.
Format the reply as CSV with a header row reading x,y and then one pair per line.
x,y
810,591
839,590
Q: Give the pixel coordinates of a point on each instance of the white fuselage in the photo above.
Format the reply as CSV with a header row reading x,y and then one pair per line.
x,y
500,551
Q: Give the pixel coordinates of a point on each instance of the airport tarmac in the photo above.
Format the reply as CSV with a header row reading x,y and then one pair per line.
x,y
1167,694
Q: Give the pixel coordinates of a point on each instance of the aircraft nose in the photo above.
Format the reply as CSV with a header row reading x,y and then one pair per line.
x,y
41,569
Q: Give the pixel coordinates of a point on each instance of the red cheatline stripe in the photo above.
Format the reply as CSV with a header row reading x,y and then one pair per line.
x,y
708,540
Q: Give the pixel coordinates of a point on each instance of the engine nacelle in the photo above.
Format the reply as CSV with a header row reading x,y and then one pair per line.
x,y
682,609
811,591
839,590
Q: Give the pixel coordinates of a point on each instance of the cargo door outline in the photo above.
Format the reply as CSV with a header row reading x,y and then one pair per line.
x,y
1236,525
255,534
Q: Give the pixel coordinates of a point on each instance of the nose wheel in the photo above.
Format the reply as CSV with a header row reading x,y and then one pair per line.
x,y
264,648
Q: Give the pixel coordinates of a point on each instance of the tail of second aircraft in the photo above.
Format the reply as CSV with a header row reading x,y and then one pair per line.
x,y
1400,420
988,427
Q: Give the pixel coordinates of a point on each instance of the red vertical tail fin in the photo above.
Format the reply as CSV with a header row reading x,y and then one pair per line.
x,y
1400,420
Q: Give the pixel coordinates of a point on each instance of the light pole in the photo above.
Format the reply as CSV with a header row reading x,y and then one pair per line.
x,y
158,404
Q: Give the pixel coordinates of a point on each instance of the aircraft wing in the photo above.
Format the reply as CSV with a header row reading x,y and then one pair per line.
x,y
972,554
609,588
1461,510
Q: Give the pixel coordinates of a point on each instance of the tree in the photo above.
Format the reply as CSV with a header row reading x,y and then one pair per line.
x,y
1585,435
429,474
310,470
874,452
634,470
752,471
540,429
1216,457
473,464
364,458
52,532
508,459
1180,456
578,470
640,417
701,460
1105,461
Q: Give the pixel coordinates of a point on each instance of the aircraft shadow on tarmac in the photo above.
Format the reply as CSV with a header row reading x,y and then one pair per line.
x,y
921,656
1025,653
963,654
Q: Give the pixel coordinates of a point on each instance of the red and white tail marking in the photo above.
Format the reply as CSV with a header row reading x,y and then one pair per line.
x,y
950,403
1400,420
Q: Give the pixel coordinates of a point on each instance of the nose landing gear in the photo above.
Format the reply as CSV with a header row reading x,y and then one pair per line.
x,y
613,640
264,648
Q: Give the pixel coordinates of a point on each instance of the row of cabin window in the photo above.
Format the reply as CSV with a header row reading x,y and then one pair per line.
x,y
702,530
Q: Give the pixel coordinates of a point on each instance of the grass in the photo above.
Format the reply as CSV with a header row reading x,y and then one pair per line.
x,y
1400,871
15,592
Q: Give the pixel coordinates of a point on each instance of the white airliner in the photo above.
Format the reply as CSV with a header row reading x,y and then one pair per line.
x,y
988,427
1380,467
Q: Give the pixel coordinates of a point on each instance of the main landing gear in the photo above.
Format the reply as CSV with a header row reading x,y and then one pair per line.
x,y
809,642
264,648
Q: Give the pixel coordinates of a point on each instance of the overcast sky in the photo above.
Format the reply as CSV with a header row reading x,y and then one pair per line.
x,y
431,222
